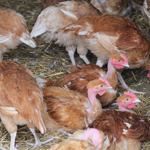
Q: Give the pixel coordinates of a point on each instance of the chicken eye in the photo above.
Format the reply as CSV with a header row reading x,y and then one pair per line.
x,y
101,85
127,99
119,60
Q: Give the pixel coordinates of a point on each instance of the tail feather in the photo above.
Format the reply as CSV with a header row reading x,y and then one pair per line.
x,y
42,22
38,29
39,123
42,127
140,129
28,40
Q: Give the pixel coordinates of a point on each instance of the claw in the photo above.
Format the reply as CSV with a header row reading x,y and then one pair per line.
x,y
37,140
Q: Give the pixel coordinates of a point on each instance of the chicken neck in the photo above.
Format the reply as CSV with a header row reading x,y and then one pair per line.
x,y
96,107
111,73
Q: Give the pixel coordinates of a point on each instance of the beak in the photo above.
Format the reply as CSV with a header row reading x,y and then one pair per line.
x,y
126,65
136,100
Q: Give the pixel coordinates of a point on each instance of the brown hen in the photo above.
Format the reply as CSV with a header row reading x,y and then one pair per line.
x,y
83,74
21,100
52,19
104,35
13,31
70,109
123,129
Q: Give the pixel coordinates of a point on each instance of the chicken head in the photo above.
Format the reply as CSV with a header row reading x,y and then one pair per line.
x,y
119,61
95,136
128,100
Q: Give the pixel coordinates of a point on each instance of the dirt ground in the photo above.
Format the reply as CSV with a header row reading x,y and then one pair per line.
x,y
49,60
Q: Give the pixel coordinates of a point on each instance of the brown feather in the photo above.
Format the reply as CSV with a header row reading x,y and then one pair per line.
x,y
112,124
105,35
60,100
52,19
20,91
13,31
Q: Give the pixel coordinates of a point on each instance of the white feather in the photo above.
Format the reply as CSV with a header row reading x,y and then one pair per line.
x,y
27,40
69,14
8,110
3,38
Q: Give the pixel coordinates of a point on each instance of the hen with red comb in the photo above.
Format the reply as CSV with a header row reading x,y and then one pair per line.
x,y
81,75
105,35
72,110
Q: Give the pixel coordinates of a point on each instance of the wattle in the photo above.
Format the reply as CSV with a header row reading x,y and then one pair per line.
x,y
131,105
102,92
119,67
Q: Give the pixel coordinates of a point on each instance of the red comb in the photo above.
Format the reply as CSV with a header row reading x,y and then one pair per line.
x,y
124,57
104,80
130,94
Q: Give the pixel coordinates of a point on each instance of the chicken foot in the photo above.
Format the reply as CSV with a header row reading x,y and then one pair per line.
x,y
37,140
125,86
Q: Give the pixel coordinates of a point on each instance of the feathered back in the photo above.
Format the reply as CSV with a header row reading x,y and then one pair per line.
x,y
21,92
56,17
113,123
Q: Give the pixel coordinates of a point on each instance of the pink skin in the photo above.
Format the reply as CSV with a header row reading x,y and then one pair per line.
x,y
95,135
92,92
102,92
130,101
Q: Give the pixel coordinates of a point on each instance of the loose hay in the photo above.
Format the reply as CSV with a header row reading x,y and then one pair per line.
x,y
49,60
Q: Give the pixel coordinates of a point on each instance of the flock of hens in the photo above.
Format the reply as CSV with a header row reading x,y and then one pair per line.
x,y
73,103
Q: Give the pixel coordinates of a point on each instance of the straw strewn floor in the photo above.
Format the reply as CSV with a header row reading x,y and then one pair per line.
x,y
49,60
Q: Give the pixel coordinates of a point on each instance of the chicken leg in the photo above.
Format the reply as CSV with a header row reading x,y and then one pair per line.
x,y
37,140
12,142
71,51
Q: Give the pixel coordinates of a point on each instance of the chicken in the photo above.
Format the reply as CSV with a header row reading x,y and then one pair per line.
x,y
146,10
114,125
113,7
52,19
83,74
21,100
90,139
70,109
13,31
105,35
137,4
123,129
